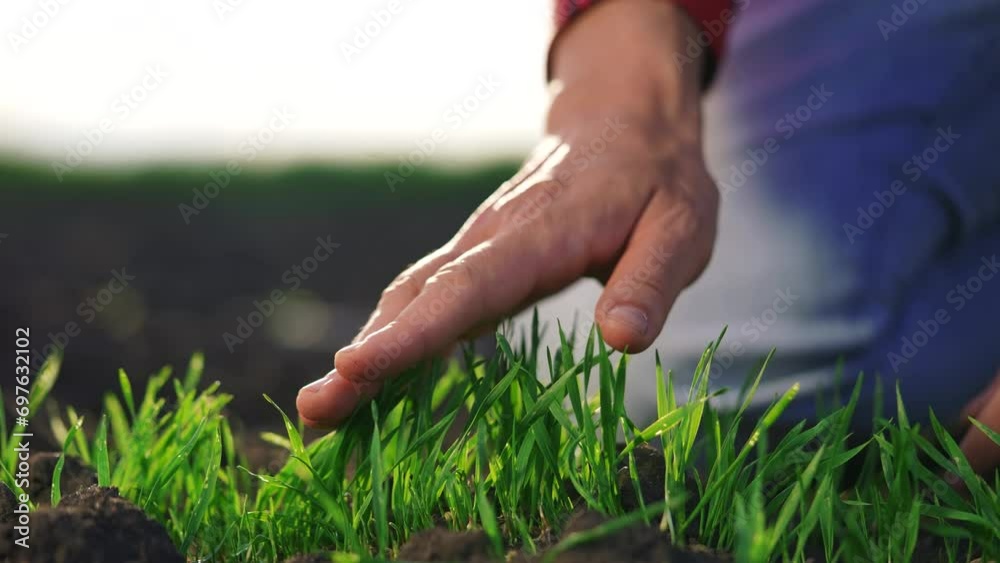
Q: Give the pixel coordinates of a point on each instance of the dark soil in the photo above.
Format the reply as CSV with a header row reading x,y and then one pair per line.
x,y
313,558
650,467
93,525
261,455
438,544
8,502
75,476
192,281
640,544
637,543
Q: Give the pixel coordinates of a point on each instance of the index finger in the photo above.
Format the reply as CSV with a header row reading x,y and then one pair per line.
x,y
487,282
482,284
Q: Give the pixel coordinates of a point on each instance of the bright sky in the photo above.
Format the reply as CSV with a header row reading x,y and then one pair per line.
x,y
194,78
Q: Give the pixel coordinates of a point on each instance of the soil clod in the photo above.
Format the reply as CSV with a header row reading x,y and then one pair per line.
x,y
75,476
8,502
439,544
310,558
650,467
639,544
93,525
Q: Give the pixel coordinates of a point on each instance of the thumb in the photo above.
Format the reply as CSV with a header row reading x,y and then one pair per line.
x,y
668,249
981,451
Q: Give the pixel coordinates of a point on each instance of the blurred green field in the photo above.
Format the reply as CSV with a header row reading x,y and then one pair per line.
x,y
196,274
298,185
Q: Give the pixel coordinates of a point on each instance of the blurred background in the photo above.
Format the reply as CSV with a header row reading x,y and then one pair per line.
x,y
165,169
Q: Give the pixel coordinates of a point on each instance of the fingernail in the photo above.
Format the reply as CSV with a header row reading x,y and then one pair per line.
x,y
349,348
327,402
630,316
315,386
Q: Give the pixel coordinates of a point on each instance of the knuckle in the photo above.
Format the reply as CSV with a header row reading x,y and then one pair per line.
x,y
533,204
654,287
689,219
403,287
461,272
557,243
350,365
642,285
689,227
477,226
688,224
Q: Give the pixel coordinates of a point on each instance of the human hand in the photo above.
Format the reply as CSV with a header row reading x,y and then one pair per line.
x,y
617,190
982,452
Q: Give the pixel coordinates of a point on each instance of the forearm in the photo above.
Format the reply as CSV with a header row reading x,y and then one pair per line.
x,y
619,58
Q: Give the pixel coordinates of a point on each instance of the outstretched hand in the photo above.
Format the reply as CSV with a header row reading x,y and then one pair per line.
x,y
617,190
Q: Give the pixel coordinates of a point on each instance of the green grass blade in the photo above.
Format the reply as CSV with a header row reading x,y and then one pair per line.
x,y
577,539
196,366
206,495
986,430
126,386
170,469
294,437
378,487
57,471
487,516
101,459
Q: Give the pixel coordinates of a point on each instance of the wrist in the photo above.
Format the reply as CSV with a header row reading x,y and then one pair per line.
x,y
619,57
